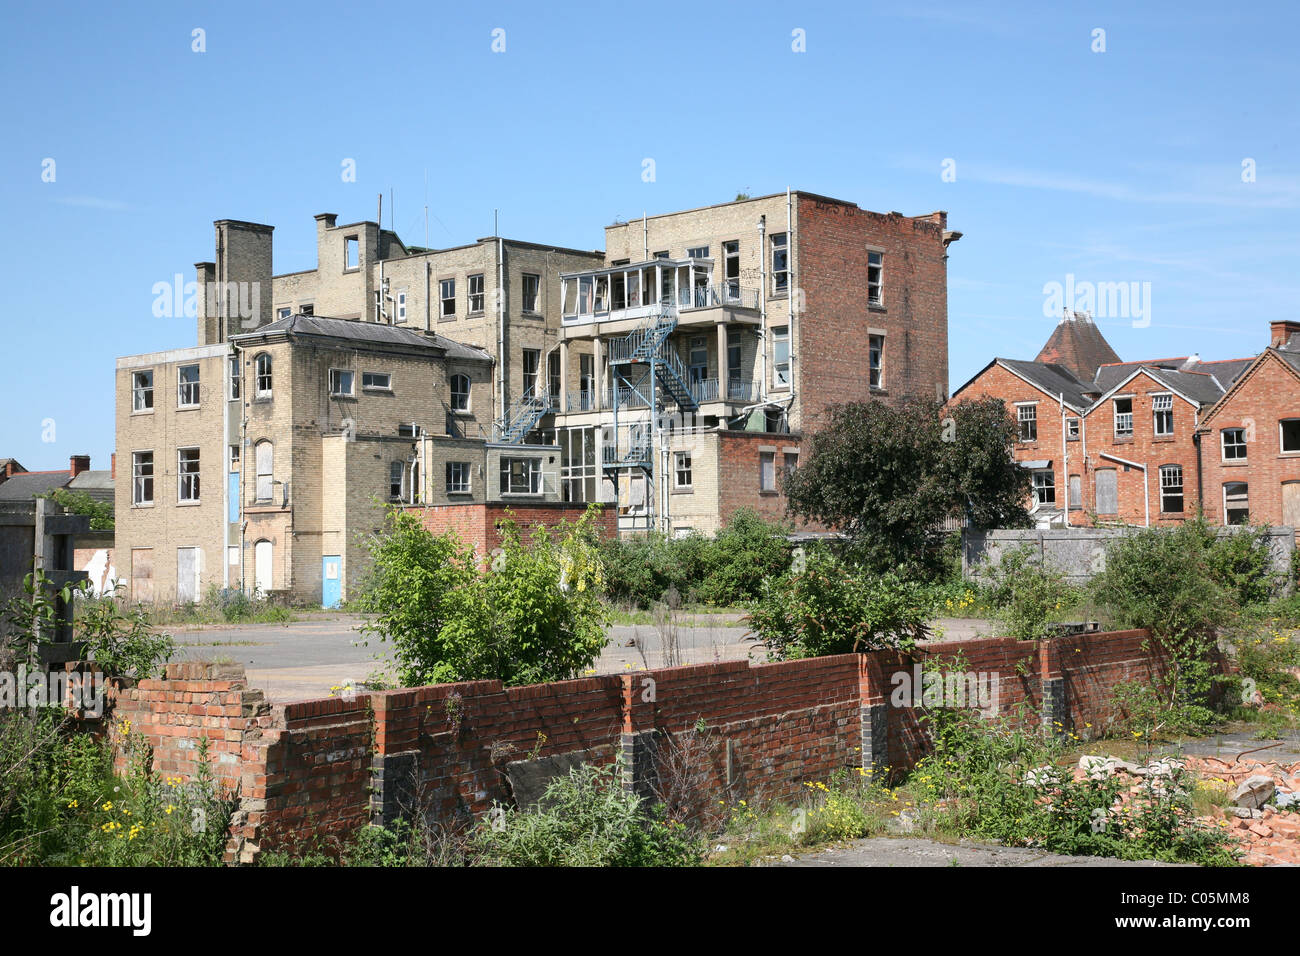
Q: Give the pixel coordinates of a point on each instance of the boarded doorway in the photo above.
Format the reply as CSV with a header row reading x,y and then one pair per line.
x,y
142,575
187,575
1291,504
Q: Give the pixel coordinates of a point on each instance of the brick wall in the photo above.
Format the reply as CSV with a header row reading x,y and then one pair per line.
x,y
323,767
476,524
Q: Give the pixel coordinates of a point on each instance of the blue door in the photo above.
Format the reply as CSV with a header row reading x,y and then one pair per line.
x,y
331,586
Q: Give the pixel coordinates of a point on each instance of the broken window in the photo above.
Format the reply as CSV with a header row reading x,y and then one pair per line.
x,y
781,356
350,253
1027,416
142,478
460,393
876,360
1044,489
1072,429
234,377
142,390
1290,434
396,478
682,471
731,268
187,386
1234,444
780,263
875,271
187,473
1124,418
532,284
1171,489
1162,412
1236,502
341,382
521,476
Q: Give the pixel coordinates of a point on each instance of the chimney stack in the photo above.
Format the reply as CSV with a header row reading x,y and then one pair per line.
x,y
112,466
78,463
1281,331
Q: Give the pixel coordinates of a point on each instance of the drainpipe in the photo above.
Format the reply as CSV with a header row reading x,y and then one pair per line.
x,y
762,299
1065,461
501,324
791,289
1200,490
428,291
1146,487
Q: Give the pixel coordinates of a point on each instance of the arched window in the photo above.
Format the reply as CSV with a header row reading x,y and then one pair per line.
x,y
262,368
263,560
265,453
460,393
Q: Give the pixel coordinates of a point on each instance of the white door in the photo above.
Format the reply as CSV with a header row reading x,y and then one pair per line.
x,y
262,553
187,575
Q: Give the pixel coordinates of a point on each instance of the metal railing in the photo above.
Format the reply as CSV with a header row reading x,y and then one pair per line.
x,y
716,294
736,390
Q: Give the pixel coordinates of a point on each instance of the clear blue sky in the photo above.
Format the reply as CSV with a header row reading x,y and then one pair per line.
x,y
1122,166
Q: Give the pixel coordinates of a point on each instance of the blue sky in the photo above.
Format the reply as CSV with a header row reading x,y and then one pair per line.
x,y
1115,166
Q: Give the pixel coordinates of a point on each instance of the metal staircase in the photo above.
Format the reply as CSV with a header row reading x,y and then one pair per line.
x,y
648,345
523,415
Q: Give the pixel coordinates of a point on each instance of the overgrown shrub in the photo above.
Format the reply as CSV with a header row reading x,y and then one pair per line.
x,y
1028,593
585,818
830,607
737,560
532,615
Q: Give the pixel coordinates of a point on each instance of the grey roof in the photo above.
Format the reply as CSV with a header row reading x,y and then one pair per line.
x,y
1053,379
1204,382
32,484
98,484
375,333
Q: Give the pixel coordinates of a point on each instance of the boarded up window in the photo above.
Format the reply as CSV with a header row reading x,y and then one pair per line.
x,y
1076,491
142,575
1291,503
187,575
1107,492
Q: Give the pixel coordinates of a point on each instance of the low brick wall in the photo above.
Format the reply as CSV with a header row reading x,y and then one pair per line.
x,y
759,731
476,524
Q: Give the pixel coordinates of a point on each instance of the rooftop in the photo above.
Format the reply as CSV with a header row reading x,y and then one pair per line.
x,y
375,333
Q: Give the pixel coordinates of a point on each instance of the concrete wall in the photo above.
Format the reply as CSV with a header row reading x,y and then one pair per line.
x,y
1080,552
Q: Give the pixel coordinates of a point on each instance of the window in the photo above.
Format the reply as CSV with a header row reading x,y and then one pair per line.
x,y
521,476
1162,413
475,294
579,463
1124,418
875,270
306,309
1107,489
142,478
457,477
532,284
1027,416
377,381
401,306
731,268
187,474
682,470
234,377
396,479
408,431
341,382
697,365
1171,489
460,393
532,357
234,457
780,263
350,253
697,252
662,254
553,380
767,471
1234,444
1290,434
187,386
447,293
1236,502
263,454
876,360
1072,429
283,313
781,356
262,376
142,391
1044,489
791,462
735,370
1076,492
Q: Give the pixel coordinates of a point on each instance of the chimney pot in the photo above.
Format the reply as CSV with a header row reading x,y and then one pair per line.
x,y
78,463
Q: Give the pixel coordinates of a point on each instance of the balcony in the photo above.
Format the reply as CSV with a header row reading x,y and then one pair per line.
x,y
633,292
702,390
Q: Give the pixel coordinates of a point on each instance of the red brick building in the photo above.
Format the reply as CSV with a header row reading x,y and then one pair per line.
x,y
1109,441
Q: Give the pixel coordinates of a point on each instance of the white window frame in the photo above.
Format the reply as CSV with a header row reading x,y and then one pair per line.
x,y
1073,429
682,465
1042,480
1245,496
1281,436
264,481
263,369
236,377
780,246
283,312
1224,445
1162,404
780,377
1119,416
192,387
401,305
876,371
1023,419
875,277
139,477
531,307
459,397
373,385
475,304
446,298
142,395
1167,474
459,478
187,480
767,471
532,475
336,378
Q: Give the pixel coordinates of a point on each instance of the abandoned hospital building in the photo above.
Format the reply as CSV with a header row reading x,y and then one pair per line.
x,y
670,376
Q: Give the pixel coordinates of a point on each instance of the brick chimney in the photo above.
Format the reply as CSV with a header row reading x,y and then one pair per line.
x,y
1281,331
78,463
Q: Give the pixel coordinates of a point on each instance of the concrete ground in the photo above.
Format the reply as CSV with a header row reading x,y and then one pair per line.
x,y
915,851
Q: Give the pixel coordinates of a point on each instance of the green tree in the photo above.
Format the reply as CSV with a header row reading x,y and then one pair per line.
x,y
887,475
533,614
80,503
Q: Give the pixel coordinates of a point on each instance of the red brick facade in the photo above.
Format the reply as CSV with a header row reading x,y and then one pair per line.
x,y
740,473
1267,394
832,347
476,524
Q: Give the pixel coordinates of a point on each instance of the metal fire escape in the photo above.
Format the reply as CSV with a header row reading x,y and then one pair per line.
x,y
645,366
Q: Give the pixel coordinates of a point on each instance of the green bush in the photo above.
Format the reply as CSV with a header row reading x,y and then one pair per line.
x,y
532,615
745,552
585,818
831,607
1028,594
